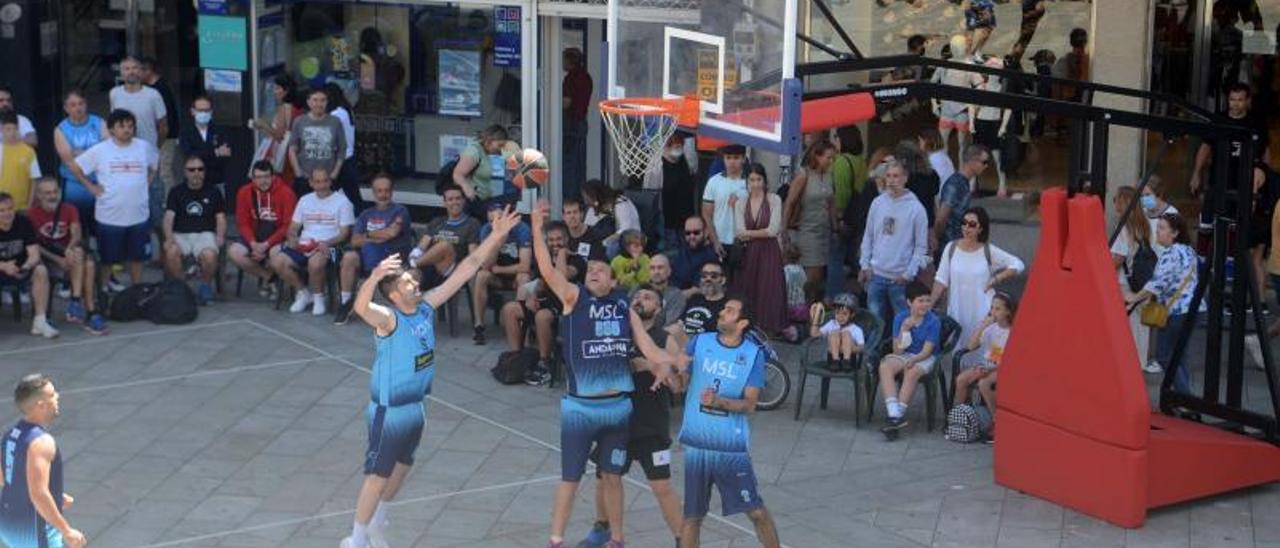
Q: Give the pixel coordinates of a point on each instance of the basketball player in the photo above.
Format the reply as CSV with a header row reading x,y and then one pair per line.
x,y
402,372
598,327
31,497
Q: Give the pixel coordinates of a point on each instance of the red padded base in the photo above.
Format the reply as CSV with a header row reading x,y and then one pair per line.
x,y
1188,460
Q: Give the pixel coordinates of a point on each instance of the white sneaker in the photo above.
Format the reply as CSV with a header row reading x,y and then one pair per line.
x,y
1253,346
350,543
318,305
1153,367
378,536
41,328
301,301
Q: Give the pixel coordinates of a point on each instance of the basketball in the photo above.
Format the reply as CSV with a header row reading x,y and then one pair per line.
x,y
528,168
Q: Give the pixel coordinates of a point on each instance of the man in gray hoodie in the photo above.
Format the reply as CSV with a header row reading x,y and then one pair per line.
x,y
894,245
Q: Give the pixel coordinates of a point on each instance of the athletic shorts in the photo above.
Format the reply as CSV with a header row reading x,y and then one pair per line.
x,y
730,473
394,433
121,244
981,15
925,365
653,454
192,243
300,259
604,423
958,121
248,248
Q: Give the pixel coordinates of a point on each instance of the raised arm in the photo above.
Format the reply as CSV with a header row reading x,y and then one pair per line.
x,y
556,281
467,269
377,316
660,361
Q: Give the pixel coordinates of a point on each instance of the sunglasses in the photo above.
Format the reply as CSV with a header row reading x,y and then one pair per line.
x,y
972,224
195,170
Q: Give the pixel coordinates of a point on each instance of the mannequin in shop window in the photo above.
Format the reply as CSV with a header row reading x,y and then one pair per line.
x,y
955,115
990,125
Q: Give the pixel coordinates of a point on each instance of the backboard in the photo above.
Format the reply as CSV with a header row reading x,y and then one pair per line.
x,y
737,57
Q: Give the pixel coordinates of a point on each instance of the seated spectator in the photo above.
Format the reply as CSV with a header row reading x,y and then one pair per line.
x,y
61,237
19,168
321,224
507,269
262,209
917,334
448,240
986,347
660,279
381,231
844,338
691,254
535,302
631,265
702,308
20,264
195,226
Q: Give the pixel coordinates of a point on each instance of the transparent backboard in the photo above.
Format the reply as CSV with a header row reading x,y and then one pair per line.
x,y
731,55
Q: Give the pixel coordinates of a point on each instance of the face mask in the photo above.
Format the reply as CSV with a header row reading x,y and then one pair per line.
x,y
1149,201
203,118
675,152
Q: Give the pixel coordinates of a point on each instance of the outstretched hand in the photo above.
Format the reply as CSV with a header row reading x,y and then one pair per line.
x,y
506,221
541,210
387,266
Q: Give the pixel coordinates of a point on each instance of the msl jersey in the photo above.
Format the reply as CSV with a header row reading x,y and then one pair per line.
x,y
727,371
20,525
404,365
597,343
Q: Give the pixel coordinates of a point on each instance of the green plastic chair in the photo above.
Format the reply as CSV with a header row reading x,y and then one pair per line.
x,y
815,363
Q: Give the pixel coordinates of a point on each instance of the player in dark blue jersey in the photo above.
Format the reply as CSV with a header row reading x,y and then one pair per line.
x,y
726,372
31,496
402,373
598,328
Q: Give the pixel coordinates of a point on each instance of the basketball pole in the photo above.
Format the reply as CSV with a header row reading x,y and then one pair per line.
x,y
611,46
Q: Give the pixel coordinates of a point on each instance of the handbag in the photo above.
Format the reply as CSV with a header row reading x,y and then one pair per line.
x,y
1155,313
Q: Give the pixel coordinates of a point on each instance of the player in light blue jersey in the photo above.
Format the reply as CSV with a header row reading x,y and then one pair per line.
x,y
402,374
726,371
31,497
599,329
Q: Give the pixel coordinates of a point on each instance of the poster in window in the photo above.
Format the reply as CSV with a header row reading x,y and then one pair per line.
x,y
460,82
506,36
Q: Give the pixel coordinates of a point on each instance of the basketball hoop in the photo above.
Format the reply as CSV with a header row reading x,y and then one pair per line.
x,y
640,128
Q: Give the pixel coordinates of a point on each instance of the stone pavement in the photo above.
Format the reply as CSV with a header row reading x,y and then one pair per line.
x,y
247,429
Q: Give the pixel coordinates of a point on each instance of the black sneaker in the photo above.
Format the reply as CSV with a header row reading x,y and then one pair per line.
x,y
344,312
479,336
537,376
893,427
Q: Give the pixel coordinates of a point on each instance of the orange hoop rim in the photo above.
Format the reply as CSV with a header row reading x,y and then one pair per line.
x,y
684,109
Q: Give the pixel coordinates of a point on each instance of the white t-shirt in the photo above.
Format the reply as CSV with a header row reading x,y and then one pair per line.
x,y
852,329
966,275
348,130
719,189
942,164
994,341
123,172
323,219
24,127
146,105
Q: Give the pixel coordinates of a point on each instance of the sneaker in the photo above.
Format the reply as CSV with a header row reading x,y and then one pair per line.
x,y
25,299
377,535
318,305
1153,367
301,301
96,325
350,543
273,292
75,312
204,294
893,426
114,285
537,376
597,537
1253,345
64,292
344,312
41,328
264,290
479,336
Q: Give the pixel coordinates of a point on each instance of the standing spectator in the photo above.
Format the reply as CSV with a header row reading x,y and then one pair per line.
x,y
674,180
606,208
954,198
970,270
917,334
195,226
672,297
979,23
921,180
693,252
19,168
481,171
20,264
58,231
506,268
448,239
145,103
758,219
1172,285
380,232
349,176
168,143
263,209
25,129
1135,237
71,137
285,91
1252,342
930,141
848,179
581,236
125,167
201,138
1155,205
321,224
577,88
855,215
893,246
1032,12
631,265
810,208
722,191
317,141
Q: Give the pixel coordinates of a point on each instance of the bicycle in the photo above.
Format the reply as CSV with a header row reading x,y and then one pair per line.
x,y
777,382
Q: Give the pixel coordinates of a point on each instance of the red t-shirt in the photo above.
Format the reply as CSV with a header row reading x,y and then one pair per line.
x,y
577,87
43,221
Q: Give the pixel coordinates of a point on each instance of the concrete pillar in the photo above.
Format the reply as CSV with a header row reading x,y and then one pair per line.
x,y
1122,58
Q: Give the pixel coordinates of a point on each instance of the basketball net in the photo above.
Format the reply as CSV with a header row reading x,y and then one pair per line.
x,y
640,128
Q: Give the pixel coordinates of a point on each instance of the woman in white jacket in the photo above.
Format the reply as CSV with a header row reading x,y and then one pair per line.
x,y
969,270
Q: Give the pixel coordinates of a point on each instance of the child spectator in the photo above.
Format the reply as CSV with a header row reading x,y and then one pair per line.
x,y
917,332
844,338
986,347
793,273
631,267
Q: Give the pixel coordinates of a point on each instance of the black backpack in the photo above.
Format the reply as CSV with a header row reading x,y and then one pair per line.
x,y
513,364
1143,268
173,304
130,304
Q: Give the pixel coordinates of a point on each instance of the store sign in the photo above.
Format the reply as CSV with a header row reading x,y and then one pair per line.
x,y
506,36
224,42
213,7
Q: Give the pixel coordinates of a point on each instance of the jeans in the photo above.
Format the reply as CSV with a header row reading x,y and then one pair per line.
x,y
836,272
1166,338
883,289
575,156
